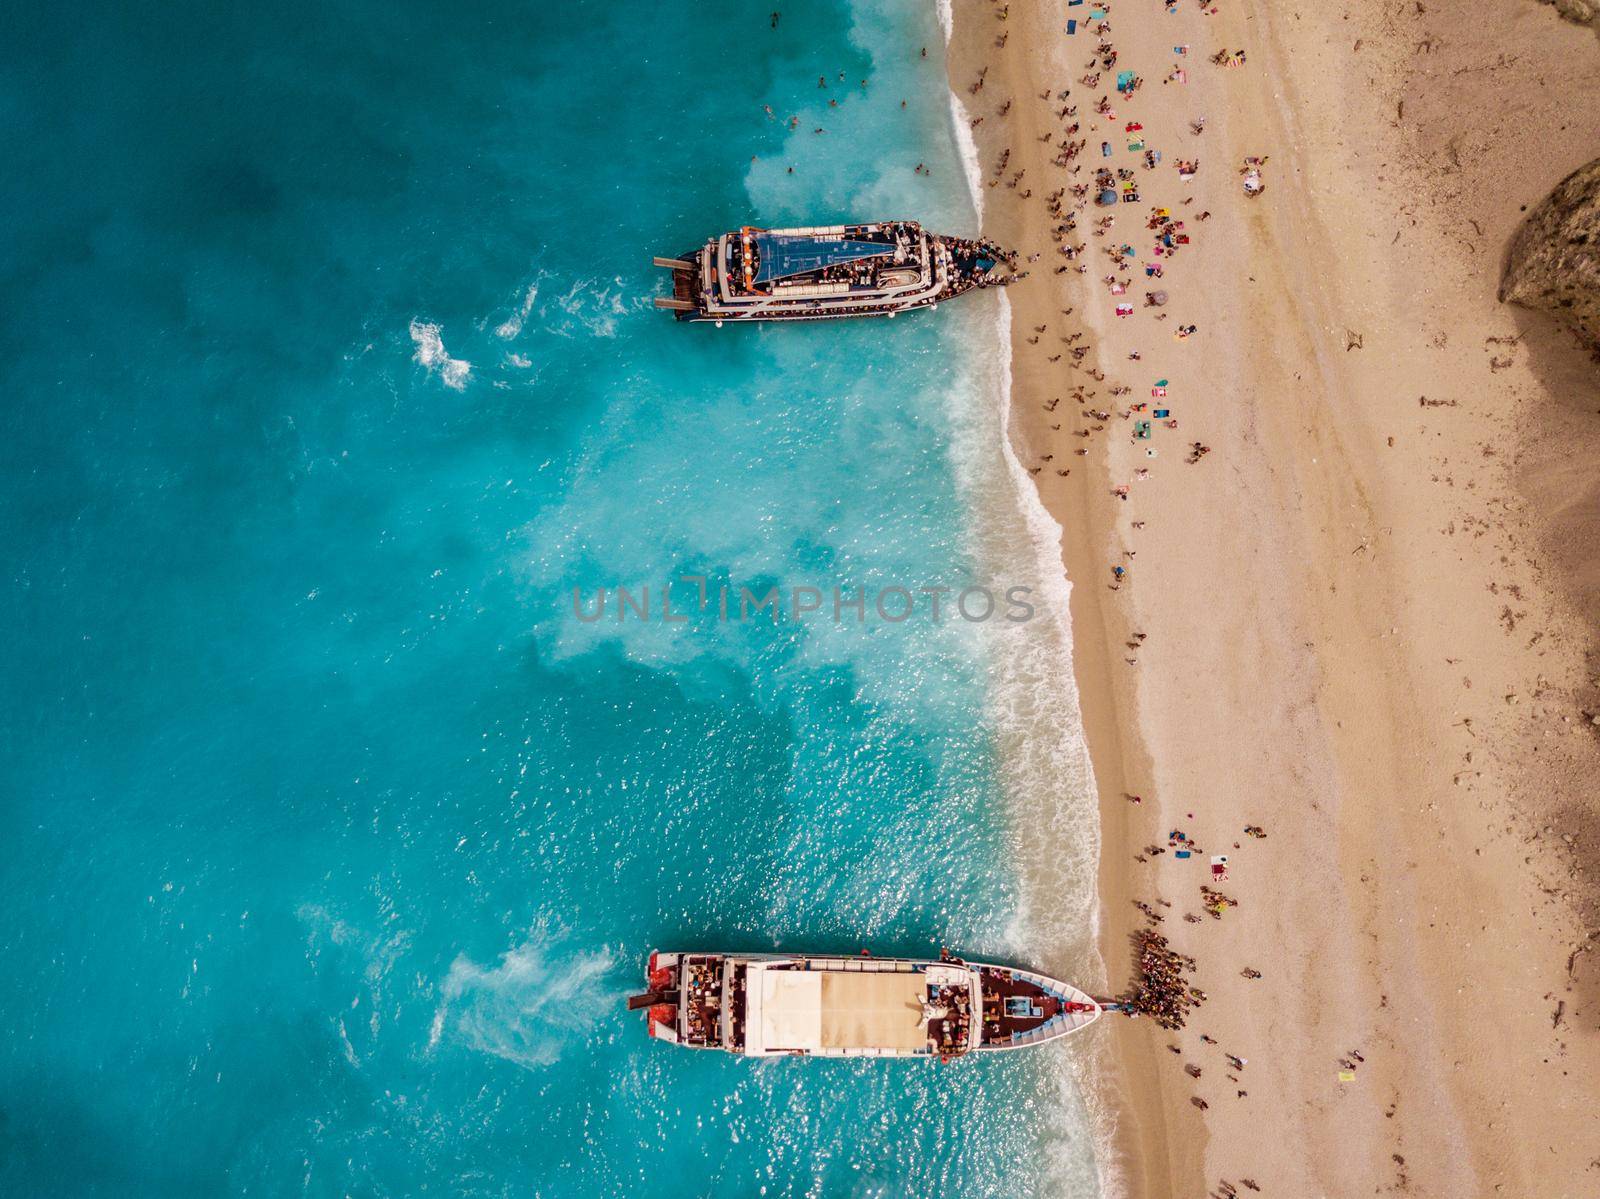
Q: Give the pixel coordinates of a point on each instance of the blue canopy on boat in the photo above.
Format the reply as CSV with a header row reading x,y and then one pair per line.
x,y
786,254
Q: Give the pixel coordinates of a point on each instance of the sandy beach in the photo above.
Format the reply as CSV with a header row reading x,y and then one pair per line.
x,y
1361,619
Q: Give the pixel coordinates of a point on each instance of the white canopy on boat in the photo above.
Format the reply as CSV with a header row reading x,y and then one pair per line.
x,y
791,1009
845,1008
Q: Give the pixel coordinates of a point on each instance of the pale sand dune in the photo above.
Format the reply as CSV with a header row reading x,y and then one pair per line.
x,y
1370,609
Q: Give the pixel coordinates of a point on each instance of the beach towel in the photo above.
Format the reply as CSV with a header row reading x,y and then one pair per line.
x,y
1072,26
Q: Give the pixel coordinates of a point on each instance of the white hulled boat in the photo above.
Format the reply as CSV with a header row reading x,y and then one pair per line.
x,y
765,1005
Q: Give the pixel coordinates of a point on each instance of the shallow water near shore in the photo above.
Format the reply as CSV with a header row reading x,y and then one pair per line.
x,y
334,841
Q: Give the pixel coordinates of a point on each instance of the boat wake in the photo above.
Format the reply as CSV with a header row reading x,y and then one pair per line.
x,y
530,1007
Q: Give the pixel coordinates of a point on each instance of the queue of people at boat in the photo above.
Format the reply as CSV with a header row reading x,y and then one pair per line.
x,y
1161,988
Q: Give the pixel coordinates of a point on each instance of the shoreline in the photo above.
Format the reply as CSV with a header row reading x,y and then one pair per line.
x,y
1324,690
1043,531
1142,1124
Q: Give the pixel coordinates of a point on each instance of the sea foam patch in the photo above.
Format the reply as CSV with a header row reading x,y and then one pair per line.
x,y
430,353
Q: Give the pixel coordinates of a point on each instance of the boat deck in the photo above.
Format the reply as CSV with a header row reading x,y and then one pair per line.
x,y
701,997
1020,1008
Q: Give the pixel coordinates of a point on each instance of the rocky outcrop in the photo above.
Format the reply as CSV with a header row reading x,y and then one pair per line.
x,y
1554,260
1581,11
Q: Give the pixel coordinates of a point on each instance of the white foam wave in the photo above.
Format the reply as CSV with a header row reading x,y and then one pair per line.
x,y
961,120
529,1007
1061,761
1044,754
1034,706
512,325
430,353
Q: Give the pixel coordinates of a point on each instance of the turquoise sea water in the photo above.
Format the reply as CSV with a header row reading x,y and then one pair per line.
x,y
330,839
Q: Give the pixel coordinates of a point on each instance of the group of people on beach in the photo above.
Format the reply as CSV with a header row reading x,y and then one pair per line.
x,y
1162,989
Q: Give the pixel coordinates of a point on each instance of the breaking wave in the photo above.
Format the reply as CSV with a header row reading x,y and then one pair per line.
x,y
1042,749
966,144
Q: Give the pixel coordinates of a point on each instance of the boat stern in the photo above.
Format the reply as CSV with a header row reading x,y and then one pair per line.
x,y
694,1000
662,996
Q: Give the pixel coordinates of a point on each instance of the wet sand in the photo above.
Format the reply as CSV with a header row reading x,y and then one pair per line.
x,y
1368,609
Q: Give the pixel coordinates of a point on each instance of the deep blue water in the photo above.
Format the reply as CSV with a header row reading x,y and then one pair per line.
x,y
330,839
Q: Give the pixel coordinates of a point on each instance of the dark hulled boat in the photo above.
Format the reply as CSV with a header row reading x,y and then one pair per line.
x,y
824,272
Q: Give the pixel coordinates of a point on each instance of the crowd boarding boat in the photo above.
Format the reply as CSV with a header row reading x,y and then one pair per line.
x,y
820,272
766,1005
